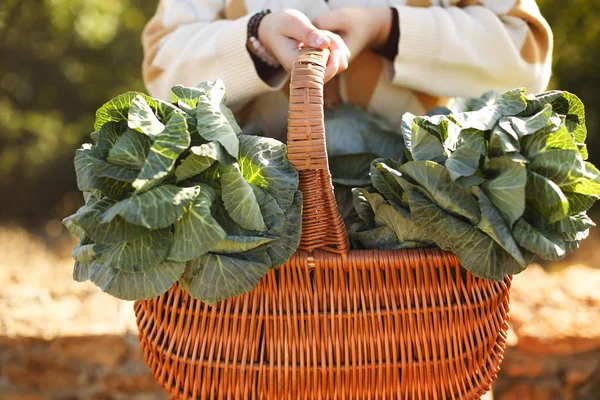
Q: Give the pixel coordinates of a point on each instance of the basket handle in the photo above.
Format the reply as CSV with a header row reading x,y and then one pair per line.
x,y
322,225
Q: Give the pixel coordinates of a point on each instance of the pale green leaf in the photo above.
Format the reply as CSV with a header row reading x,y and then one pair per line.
x,y
239,244
239,199
463,162
85,252
117,109
141,117
263,162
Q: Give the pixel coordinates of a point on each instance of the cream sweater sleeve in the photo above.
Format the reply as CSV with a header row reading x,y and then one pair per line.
x,y
187,42
467,47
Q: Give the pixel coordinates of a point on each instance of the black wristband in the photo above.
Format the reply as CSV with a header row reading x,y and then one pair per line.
x,y
254,23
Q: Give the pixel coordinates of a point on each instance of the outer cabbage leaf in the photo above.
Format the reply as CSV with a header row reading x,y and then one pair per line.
x,y
139,283
167,147
156,208
263,162
197,231
239,199
141,117
89,218
117,109
215,277
130,150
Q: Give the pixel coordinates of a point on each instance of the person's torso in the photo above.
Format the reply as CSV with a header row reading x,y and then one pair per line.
x,y
365,82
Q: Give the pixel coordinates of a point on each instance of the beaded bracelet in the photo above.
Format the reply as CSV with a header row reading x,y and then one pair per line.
x,y
257,48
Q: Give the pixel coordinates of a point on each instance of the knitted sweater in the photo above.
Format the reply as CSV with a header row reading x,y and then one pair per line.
x,y
447,48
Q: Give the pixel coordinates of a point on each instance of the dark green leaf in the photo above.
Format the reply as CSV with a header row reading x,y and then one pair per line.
x,y
200,159
165,150
149,251
116,231
142,282
281,250
493,224
108,136
476,251
468,181
563,167
366,204
84,252
351,130
502,142
130,150
103,169
425,145
81,271
382,180
156,208
215,277
545,120
197,231
437,182
579,202
351,169
546,197
547,245
212,123
507,190
87,179
405,229
570,224
382,238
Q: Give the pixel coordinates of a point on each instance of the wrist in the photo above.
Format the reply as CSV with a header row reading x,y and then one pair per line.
x,y
382,26
263,33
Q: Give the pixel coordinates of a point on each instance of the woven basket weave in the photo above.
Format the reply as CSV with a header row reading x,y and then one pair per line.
x,y
331,323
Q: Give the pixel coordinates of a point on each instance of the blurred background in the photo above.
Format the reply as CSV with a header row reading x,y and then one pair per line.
x,y
59,61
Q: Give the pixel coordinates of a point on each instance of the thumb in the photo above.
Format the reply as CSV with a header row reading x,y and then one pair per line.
x,y
317,39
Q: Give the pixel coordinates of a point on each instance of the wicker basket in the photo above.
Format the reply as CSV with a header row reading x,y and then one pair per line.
x,y
331,323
